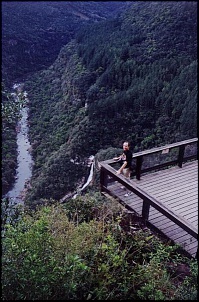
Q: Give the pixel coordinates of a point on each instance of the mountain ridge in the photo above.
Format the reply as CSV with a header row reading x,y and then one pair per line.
x,y
127,78
34,32
102,71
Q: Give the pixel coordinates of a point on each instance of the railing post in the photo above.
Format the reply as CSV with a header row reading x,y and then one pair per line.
x,y
138,167
145,210
181,155
103,178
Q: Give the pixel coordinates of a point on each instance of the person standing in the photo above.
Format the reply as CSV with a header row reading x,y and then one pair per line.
x,y
126,159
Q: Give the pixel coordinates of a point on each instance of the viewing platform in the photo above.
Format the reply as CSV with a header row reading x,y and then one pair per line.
x,y
163,190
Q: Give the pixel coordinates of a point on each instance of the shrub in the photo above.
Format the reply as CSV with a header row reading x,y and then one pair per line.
x,y
53,254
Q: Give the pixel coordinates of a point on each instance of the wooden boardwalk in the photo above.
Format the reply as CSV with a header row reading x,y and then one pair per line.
x,y
177,189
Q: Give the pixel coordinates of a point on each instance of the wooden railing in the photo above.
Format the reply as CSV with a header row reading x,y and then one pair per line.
x,y
108,174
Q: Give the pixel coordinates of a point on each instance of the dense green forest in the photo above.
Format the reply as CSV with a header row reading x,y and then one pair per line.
x,y
32,36
33,32
133,78
96,74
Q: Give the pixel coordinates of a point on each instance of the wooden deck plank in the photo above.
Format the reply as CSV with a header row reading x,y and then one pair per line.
x,y
184,208
175,171
179,236
160,219
172,203
186,169
186,236
176,188
167,192
190,215
172,180
188,195
195,220
192,247
189,209
161,180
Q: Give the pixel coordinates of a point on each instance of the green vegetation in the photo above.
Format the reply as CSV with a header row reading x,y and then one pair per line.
x,y
33,32
10,113
133,78
85,249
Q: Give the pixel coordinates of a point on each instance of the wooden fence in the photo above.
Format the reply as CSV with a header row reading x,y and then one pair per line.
x,y
183,151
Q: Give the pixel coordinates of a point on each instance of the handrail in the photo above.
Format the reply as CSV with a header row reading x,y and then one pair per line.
x,y
107,170
140,155
157,149
150,200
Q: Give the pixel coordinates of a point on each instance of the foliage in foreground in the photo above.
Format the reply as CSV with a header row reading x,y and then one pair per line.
x,y
81,251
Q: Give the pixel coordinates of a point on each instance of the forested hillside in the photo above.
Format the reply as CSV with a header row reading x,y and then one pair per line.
x,y
93,80
34,31
32,36
134,78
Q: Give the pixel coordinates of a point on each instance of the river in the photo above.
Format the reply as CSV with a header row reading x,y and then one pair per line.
x,y
24,160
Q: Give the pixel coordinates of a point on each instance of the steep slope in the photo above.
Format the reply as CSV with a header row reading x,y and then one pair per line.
x,y
132,78
34,32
